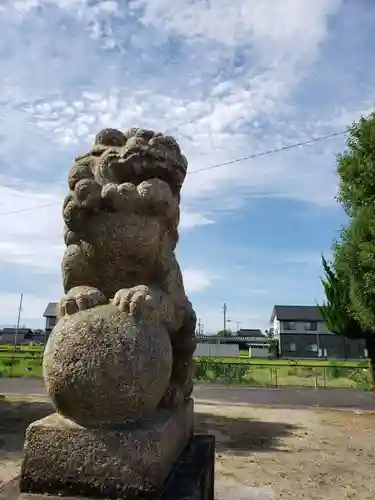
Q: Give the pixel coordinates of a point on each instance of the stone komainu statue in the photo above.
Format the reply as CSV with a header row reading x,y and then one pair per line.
x,y
121,228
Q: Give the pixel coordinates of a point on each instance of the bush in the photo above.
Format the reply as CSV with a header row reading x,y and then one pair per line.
x,y
362,377
221,372
336,371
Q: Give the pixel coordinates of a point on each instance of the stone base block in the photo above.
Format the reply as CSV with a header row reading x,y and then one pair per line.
x,y
191,478
129,461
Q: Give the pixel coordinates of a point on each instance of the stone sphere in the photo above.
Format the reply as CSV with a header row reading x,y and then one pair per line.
x,y
102,367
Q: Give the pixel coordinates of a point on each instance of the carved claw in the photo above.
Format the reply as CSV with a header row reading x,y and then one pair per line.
x,y
120,197
87,194
146,303
80,298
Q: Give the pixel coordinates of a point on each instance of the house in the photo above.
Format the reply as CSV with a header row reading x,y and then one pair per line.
x,y
39,336
302,333
10,336
51,317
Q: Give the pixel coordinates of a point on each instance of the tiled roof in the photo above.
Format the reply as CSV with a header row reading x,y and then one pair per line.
x,y
12,331
297,313
249,332
51,310
233,338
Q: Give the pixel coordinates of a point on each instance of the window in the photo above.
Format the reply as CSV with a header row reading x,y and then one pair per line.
x,y
289,325
312,348
311,326
290,347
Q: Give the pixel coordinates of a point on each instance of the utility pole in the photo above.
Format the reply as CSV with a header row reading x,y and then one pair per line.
x,y
18,323
199,326
225,318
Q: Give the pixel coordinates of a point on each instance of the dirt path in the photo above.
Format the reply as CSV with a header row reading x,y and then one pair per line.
x,y
262,453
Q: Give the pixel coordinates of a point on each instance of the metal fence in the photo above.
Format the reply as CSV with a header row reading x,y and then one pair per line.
x,y
293,374
334,375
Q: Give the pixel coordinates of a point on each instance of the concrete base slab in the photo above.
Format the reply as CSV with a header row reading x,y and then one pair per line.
x,y
64,458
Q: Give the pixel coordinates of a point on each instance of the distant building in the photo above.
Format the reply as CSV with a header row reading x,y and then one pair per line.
x,y
250,332
51,317
245,339
302,333
11,336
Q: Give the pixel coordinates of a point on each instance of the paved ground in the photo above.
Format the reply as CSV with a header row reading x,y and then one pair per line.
x,y
341,399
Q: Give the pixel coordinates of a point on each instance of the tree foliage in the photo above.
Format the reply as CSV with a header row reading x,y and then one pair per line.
x,y
225,333
336,310
354,255
349,281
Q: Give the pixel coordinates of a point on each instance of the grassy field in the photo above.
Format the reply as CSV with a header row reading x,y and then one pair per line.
x,y
20,366
236,371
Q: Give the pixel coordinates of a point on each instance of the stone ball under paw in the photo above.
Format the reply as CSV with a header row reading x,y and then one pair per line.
x,y
100,367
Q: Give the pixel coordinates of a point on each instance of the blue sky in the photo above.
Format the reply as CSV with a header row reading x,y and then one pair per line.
x,y
227,79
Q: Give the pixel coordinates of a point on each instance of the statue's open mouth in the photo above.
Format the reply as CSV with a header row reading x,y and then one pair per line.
x,y
138,164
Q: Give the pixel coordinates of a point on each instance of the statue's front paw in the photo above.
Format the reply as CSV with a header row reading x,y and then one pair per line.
x,y
87,194
80,298
145,303
119,197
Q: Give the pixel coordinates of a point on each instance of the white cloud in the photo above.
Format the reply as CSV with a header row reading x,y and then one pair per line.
x,y
196,280
31,238
191,220
209,110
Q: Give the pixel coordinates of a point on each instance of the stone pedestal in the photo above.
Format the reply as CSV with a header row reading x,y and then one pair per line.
x,y
64,458
191,477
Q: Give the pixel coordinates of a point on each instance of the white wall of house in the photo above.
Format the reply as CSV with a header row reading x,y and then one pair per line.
x,y
258,352
276,326
217,350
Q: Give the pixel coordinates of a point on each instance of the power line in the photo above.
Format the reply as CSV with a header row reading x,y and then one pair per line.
x,y
211,167
270,151
28,209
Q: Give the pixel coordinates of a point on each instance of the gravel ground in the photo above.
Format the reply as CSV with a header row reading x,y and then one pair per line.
x,y
262,453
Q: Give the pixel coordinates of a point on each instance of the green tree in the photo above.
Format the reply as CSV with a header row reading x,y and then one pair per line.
x,y
354,255
337,310
225,333
349,282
